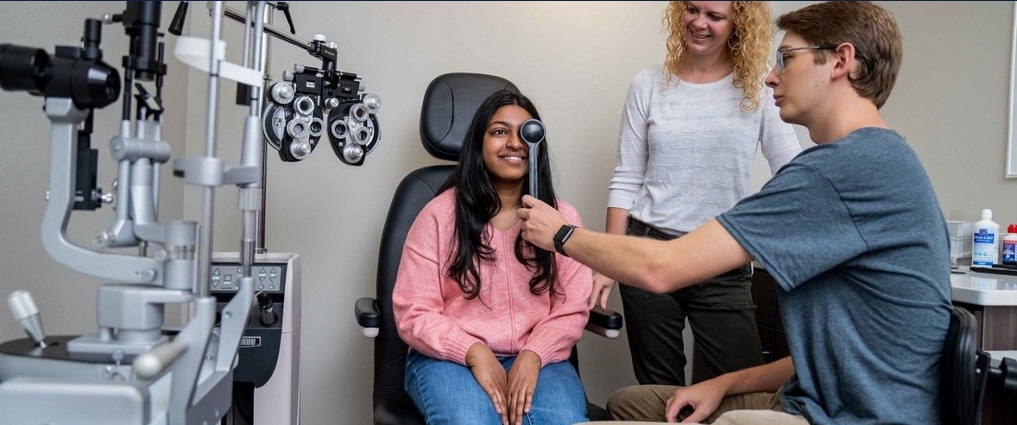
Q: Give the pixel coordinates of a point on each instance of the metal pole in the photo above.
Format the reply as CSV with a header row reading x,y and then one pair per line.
x,y
266,49
208,211
278,33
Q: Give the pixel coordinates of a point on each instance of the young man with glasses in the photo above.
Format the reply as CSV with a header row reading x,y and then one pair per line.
x,y
850,229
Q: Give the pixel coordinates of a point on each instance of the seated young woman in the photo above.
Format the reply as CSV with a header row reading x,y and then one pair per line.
x,y
490,319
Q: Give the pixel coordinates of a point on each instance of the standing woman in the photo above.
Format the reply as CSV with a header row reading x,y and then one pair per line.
x,y
486,314
688,136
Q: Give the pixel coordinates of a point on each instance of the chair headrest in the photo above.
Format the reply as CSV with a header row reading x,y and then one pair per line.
x,y
450,102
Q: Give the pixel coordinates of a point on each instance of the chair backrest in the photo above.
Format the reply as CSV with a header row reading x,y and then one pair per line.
x,y
962,384
450,102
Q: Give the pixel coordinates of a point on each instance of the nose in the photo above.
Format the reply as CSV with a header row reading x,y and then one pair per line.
x,y
699,21
772,78
515,142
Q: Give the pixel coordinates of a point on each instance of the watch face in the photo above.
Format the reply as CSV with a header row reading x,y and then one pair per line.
x,y
561,237
563,233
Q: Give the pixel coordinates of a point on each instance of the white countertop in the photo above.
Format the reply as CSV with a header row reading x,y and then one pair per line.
x,y
1001,354
984,288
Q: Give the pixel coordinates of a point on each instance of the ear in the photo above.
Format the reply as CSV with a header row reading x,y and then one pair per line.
x,y
844,60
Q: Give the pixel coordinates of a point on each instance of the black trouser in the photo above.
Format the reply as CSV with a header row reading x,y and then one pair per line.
x,y
720,311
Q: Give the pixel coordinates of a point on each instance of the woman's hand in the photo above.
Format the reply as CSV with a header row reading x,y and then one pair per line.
x,y
490,374
602,286
522,381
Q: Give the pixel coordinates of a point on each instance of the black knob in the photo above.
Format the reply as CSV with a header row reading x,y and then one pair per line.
x,y
176,26
532,131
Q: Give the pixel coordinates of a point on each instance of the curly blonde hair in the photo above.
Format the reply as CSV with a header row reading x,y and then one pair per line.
x,y
748,47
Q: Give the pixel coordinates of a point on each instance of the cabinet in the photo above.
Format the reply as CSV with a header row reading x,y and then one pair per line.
x,y
997,330
768,320
992,298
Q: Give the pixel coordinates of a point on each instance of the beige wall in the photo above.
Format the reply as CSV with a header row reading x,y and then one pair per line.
x,y
951,102
574,59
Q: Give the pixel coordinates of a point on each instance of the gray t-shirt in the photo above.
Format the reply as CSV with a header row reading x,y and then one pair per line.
x,y
854,236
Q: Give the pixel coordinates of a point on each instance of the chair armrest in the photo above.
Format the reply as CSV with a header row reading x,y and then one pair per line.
x,y
604,322
368,316
1003,373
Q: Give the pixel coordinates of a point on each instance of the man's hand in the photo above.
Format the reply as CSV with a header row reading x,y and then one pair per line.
x,y
490,374
703,398
522,381
540,222
602,286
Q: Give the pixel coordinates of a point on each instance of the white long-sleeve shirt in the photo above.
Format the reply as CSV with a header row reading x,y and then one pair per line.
x,y
685,151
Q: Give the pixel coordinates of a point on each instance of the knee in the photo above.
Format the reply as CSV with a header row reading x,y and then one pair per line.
x,y
620,398
556,416
460,413
637,403
640,402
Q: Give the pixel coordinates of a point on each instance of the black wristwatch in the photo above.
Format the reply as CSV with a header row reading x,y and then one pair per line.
x,y
563,235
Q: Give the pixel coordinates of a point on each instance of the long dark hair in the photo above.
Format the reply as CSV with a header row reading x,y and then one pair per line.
x,y
477,202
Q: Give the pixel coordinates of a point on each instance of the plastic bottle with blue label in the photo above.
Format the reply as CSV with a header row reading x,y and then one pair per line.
x,y
985,241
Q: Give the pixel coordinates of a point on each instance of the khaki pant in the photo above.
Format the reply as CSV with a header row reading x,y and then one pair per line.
x,y
647,403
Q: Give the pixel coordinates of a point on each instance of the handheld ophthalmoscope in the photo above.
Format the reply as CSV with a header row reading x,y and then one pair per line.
x,y
532,132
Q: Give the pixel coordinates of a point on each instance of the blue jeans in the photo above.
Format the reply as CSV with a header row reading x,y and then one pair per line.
x,y
447,393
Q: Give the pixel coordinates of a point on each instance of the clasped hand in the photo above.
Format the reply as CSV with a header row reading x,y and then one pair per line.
x,y
511,392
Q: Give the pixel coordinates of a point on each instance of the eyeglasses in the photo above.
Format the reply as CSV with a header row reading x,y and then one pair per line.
x,y
781,52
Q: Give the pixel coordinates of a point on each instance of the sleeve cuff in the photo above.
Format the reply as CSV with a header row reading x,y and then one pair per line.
x,y
458,347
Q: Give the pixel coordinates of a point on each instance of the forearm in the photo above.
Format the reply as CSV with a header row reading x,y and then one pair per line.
x,y
622,258
659,266
434,335
766,378
478,353
418,310
617,221
553,337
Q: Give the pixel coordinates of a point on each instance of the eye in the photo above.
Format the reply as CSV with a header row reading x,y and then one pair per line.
x,y
499,132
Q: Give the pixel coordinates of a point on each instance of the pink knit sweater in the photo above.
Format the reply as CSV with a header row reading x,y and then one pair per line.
x,y
434,317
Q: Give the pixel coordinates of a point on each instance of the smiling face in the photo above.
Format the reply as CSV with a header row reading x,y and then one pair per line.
x,y
708,25
505,154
